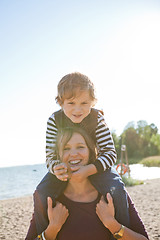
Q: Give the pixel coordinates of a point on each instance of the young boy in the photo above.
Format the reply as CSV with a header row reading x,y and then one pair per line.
x,y
76,97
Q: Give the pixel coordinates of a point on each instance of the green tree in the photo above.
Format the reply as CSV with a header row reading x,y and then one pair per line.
x,y
142,140
145,132
131,139
155,145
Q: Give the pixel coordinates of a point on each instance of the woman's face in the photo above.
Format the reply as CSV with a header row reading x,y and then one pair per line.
x,y
75,152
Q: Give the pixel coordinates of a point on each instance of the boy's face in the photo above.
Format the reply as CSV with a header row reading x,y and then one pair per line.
x,y
78,108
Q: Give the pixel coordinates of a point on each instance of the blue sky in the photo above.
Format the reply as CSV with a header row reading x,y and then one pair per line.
x,y
115,43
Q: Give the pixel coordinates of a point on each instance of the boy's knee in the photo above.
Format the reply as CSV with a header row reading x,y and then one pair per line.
x,y
116,187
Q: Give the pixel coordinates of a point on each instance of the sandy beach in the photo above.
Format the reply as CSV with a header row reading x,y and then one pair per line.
x,y
15,214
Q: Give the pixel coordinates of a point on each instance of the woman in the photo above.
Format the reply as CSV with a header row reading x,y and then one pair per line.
x,y
80,212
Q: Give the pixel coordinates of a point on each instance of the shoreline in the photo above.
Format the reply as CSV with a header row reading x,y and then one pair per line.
x,y
15,213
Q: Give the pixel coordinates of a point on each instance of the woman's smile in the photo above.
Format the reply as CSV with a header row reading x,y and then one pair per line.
x,y
74,162
75,152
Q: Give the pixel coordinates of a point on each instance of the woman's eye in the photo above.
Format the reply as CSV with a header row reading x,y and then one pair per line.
x,y
80,147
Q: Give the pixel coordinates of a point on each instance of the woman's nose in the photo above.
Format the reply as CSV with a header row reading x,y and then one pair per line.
x,y
73,152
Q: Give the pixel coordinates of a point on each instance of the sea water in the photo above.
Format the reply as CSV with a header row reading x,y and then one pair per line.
x,y
22,180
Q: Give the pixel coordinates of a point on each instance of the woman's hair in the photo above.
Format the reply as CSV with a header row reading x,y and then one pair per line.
x,y
65,134
74,83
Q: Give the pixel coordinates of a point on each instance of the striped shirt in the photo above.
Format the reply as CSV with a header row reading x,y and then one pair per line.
x,y
104,141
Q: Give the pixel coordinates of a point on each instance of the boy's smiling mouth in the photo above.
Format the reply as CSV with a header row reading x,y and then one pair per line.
x,y
77,116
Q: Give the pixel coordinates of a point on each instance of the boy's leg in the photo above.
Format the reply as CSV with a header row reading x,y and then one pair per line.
x,y
110,181
52,187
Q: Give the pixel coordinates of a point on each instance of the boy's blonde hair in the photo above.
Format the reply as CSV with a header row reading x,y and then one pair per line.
x,y
72,84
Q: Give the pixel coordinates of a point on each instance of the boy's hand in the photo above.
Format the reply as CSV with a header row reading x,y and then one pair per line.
x,y
79,173
60,171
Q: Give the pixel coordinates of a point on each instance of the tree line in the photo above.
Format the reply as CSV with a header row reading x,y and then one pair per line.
x,y
141,140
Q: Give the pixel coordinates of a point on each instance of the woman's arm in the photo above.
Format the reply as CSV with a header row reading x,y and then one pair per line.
x,y
32,231
106,214
136,223
39,220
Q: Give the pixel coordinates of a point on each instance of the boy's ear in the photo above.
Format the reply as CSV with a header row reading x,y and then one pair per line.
x,y
60,104
58,101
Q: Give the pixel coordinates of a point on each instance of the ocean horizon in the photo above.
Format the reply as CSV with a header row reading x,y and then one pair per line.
x,y
19,181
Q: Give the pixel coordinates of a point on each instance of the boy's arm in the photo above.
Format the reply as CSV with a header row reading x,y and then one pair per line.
x,y
80,173
51,134
106,150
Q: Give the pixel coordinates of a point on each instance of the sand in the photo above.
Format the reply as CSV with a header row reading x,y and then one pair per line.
x,y
15,214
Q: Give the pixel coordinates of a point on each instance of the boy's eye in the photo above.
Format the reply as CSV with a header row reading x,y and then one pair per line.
x,y
84,103
70,103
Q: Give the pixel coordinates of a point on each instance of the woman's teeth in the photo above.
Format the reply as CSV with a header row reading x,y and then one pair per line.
x,y
73,162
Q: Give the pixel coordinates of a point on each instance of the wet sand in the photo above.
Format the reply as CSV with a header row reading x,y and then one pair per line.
x,y
15,214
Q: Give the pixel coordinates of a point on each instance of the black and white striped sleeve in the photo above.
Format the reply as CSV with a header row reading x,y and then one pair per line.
x,y
106,150
51,134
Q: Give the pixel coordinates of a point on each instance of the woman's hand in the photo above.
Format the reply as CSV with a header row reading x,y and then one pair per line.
x,y
57,217
106,214
106,211
60,171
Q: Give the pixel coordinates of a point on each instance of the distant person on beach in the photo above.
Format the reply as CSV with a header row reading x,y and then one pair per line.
x,y
80,212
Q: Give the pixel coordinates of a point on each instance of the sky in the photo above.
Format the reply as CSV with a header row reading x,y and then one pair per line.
x,y
115,43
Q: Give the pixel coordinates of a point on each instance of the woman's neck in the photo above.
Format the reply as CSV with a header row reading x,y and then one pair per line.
x,y
81,191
